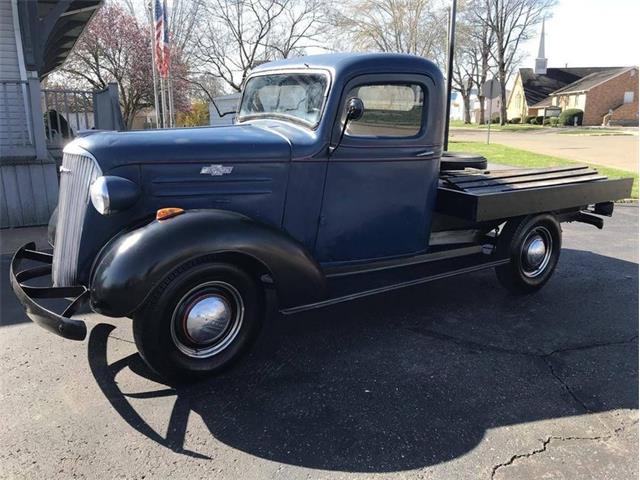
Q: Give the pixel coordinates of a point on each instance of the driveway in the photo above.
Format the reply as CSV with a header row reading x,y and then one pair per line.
x,y
618,151
452,380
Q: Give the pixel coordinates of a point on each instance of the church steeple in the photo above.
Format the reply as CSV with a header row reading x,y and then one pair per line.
x,y
541,61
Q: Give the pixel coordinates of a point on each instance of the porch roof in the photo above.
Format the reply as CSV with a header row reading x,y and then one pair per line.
x,y
50,29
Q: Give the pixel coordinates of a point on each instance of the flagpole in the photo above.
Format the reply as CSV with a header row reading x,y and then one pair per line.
x,y
170,94
153,67
163,101
167,53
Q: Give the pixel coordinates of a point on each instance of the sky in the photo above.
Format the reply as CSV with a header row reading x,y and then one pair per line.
x,y
590,33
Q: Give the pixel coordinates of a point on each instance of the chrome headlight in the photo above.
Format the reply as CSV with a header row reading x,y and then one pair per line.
x,y
113,194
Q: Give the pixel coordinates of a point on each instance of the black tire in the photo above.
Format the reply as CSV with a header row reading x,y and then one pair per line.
x,y
160,328
459,161
527,273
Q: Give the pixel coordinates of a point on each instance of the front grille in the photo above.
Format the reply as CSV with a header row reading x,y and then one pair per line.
x,y
77,173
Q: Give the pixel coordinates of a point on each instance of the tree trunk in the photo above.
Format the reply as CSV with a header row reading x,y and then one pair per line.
x,y
503,103
466,101
502,80
481,119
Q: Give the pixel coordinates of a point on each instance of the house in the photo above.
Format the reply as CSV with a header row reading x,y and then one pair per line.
x,y
597,91
36,36
605,97
457,106
531,90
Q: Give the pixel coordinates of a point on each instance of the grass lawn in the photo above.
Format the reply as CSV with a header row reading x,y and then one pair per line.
x,y
521,158
515,127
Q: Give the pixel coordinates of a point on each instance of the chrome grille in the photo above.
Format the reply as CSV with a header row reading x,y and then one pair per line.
x,y
78,171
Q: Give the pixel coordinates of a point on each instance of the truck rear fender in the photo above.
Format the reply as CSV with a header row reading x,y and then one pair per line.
x,y
131,265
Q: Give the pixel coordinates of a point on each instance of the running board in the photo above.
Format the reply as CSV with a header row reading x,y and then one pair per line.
x,y
475,264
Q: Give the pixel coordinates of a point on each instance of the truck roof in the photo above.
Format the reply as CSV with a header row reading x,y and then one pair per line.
x,y
347,64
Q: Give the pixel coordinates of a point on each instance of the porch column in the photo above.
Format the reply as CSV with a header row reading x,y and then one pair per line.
x,y
37,118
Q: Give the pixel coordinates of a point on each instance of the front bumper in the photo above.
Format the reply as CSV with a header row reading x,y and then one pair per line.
x,y
60,324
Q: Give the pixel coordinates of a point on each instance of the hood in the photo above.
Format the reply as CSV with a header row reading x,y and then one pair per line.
x,y
233,143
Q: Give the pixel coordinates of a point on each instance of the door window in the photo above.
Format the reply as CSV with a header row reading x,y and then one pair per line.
x,y
390,110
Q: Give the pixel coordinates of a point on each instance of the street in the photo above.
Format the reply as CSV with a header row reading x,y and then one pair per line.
x,y
617,151
454,379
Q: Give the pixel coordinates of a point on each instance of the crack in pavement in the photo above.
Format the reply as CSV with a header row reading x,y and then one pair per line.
x,y
121,339
547,442
565,385
473,345
544,356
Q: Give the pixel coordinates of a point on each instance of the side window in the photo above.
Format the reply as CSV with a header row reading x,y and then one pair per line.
x,y
390,110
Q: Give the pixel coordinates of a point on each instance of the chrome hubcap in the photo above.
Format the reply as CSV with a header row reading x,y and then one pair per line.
x,y
536,252
207,319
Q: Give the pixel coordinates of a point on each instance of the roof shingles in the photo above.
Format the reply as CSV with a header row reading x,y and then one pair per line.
x,y
538,87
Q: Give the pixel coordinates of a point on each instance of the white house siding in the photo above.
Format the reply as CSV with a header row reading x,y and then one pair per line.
x,y
14,131
8,51
28,194
28,187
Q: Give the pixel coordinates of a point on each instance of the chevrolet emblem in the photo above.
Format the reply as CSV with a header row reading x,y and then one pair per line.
x,y
216,170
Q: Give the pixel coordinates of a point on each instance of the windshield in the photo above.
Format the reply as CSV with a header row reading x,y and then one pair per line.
x,y
296,95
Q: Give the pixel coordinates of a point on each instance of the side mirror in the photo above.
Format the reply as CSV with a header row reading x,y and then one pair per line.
x,y
355,109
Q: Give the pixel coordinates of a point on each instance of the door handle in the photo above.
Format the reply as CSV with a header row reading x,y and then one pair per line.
x,y
425,153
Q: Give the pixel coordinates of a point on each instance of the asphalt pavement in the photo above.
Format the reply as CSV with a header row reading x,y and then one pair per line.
x,y
451,380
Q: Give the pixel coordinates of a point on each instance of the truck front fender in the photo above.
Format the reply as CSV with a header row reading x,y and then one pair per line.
x,y
130,266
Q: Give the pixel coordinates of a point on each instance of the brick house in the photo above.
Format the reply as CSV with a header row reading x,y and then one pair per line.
x,y
532,88
606,97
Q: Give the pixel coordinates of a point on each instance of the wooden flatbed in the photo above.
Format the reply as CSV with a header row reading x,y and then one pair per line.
x,y
485,195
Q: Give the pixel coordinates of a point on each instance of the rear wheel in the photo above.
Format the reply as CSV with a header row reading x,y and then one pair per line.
x,y
533,246
199,321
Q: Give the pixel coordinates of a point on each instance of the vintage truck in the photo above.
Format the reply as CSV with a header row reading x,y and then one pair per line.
x,y
332,185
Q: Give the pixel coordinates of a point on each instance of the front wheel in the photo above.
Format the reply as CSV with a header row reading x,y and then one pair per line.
x,y
533,246
199,321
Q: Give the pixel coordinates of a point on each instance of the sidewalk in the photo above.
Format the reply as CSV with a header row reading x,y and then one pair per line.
x,y
616,151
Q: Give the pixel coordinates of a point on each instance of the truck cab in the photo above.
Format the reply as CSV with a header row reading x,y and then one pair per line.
x,y
328,187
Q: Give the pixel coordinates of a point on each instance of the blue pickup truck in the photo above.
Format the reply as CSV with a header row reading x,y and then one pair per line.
x,y
331,185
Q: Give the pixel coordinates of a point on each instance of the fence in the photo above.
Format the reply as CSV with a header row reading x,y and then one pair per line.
x,y
34,126
66,114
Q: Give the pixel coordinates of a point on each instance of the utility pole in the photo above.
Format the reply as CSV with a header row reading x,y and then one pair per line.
x,y
452,37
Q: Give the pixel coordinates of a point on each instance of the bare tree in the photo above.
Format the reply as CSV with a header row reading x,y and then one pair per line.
x,y
184,16
236,35
300,27
406,26
482,38
463,76
511,23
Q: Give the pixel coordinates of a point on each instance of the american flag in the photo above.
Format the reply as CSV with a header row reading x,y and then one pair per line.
x,y
161,40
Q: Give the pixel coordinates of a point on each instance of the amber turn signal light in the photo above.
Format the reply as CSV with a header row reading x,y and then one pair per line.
x,y
165,213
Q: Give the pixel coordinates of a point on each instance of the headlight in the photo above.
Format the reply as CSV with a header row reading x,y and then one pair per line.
x,y
100,195
113,194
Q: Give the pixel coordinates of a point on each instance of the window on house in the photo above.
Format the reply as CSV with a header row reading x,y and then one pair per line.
x,y
390,110
628,97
